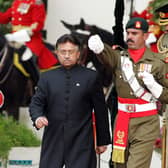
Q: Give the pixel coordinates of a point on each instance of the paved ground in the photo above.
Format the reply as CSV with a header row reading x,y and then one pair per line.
x,y
24,118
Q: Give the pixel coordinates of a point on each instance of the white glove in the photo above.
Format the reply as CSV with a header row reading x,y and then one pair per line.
x,y
27,54
154,87
151,39
19,36
95,44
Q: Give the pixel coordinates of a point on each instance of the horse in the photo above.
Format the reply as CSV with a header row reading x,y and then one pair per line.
x,y
16,86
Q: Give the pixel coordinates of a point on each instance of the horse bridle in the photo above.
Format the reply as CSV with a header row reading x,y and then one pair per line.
x,y
4,52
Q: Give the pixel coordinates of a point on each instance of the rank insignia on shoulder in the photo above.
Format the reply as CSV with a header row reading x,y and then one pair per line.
x,y
145,67
38,2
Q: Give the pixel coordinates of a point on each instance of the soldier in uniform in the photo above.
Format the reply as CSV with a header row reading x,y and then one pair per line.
x,y
163,40
27,18
140,82
162,45
64,101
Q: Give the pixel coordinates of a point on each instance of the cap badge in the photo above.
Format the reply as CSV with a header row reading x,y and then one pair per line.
x,y
161,14
138,24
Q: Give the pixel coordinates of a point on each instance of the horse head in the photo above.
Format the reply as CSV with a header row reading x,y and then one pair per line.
x,y
106,36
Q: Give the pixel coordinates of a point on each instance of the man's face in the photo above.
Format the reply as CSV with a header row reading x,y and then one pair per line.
x,y
68,54
136,38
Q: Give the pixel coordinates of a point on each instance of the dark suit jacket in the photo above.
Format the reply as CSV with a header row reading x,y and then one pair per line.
x,y
67,98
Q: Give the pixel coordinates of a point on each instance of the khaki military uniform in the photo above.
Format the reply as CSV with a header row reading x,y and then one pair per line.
x,y
162,46
143,130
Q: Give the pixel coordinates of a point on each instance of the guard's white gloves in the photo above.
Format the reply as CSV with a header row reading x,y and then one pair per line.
x,y
95,44
27,54
151,39
19,36
154,87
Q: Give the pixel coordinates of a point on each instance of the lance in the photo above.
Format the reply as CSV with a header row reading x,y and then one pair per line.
x,y
131,8
94,122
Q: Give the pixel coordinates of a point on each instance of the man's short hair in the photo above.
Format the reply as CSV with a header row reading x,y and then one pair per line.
x,y
137,23
68,38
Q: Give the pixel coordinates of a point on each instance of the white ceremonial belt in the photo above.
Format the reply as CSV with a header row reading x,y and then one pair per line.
x,y
140,91
131,108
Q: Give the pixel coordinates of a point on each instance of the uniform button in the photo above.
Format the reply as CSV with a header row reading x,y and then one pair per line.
x,y
13,18
19,18
120,76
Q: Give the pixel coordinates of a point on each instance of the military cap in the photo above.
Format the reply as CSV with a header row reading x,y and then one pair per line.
x,y
137,23
163,14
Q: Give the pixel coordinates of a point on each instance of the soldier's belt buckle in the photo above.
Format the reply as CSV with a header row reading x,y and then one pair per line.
x,y
130,108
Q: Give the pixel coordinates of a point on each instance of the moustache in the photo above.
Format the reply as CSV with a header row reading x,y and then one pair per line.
x,y
129,40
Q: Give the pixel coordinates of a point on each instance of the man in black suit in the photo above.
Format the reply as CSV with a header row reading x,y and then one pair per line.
x,y
64,101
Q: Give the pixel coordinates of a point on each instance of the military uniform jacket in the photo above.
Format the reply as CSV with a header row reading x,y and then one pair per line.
x,y
31,15
67,98
25,13
151,62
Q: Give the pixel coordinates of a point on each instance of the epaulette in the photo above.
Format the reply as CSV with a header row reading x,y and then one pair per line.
x,y
162,44
38,2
